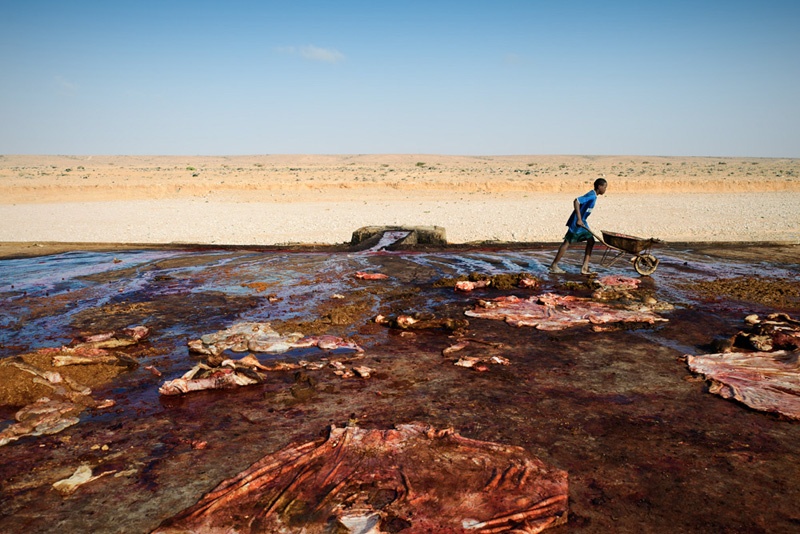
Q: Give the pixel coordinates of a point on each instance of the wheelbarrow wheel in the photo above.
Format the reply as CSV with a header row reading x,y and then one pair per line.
x,y
645,264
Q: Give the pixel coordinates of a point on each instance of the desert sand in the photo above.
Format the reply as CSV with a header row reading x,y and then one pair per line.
x,y
319,199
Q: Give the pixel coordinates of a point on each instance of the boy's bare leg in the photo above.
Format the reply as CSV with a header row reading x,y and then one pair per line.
x,y
560,254
587,256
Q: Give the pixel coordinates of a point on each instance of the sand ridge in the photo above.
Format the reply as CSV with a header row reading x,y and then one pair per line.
x,y
275,199
259,178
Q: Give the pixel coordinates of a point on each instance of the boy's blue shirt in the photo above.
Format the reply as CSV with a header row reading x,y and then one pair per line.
x,y
587,203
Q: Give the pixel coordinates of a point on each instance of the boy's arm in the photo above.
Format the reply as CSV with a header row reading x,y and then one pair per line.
x,y
577,206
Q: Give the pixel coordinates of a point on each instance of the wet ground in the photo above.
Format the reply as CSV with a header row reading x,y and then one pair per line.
x,y
647,448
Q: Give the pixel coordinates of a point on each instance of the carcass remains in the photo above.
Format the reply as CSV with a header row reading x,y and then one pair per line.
x,y
767,380
225,373
260,337
412,478
556,312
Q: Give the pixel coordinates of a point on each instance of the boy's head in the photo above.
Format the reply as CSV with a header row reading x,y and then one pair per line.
x,y
600,186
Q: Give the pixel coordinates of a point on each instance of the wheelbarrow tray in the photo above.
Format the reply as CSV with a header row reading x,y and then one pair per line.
x,y
628,243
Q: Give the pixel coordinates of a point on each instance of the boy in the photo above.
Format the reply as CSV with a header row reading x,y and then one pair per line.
x,y
578,228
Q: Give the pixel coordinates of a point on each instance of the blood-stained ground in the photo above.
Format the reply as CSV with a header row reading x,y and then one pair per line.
x,y
645,445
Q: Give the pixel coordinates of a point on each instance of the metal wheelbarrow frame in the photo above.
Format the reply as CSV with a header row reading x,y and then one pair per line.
x,y
644,262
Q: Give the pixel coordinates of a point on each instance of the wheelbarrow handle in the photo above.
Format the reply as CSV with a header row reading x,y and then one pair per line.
x,y
596,235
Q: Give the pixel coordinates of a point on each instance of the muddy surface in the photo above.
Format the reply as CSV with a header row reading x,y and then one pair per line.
x,y
646,447
767,291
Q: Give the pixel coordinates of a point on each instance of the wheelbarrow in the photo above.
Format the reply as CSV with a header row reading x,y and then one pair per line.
x,y
620,244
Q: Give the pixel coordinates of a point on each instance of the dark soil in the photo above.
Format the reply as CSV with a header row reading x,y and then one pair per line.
x,y
768,291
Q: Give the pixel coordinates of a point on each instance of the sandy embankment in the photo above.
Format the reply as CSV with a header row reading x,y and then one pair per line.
x,y
267,200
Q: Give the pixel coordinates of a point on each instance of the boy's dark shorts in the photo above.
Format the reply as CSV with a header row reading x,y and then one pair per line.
x,y
581,234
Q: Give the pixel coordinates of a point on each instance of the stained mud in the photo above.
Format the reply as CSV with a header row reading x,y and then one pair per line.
x,y
767,291
647,448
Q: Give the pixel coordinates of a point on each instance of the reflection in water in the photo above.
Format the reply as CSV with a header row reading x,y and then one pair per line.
x,y
41,295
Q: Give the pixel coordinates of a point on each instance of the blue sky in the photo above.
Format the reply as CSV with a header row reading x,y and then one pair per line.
x,y
500,77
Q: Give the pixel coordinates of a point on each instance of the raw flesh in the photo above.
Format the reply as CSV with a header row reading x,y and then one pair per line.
x,y
765,381
556,312
412,479
260,337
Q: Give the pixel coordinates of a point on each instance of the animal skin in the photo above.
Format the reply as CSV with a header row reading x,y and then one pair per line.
x,y
370,276
765,381
619,282
260,337
555,312
409,479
